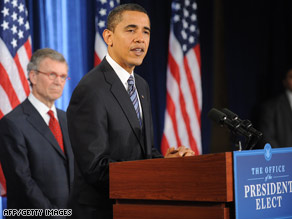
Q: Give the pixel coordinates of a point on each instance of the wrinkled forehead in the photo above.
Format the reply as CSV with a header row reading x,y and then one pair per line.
x,y
52,64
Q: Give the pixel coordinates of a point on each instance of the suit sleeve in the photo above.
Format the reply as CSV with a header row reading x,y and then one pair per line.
x,y
154,152
87,125
16,166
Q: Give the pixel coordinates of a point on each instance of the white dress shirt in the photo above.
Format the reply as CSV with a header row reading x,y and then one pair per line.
x,y
123,76
42,108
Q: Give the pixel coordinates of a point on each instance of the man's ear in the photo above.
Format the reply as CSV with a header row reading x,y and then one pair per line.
x,y
107,36
32,77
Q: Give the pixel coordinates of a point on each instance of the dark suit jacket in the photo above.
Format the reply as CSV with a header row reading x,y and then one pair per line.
x,y
103,128
37,172
276,122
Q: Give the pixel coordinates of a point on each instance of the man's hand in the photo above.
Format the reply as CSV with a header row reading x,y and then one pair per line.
x,y
181,151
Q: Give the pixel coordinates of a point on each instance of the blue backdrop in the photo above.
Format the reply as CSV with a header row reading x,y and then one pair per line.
x,y
68,27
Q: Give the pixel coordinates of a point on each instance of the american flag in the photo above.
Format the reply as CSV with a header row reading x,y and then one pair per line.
x,y
15,53
182,124
102,9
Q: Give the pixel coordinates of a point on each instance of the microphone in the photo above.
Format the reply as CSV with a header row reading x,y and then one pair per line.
x,y
246,124
234,125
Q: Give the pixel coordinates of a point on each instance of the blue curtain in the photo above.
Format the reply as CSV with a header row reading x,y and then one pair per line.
x,y
68,27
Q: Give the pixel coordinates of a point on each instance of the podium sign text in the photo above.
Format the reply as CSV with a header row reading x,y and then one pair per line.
x,y
263,183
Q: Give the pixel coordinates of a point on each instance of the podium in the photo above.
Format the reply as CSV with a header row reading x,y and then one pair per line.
x,y
172,188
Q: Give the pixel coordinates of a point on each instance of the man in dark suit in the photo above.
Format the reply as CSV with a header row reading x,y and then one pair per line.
x,y
109,115
276,116
37,159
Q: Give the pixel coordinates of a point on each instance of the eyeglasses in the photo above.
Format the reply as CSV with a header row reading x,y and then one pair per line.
x,y
52,75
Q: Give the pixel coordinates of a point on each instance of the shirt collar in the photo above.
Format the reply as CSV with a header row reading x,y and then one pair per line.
x,y
120,71
42,108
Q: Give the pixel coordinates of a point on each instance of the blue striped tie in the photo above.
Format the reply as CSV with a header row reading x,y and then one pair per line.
x,y
134,98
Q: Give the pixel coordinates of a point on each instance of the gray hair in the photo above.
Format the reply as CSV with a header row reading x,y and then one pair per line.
x,y
40,55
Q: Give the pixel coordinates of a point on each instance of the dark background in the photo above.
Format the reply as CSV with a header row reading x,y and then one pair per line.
x,y
245,48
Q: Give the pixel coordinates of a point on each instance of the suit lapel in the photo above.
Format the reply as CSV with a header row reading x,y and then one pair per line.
x,y
122,97
35,119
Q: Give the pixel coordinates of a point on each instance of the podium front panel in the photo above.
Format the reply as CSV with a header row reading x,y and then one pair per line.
x,y
133,211
203,178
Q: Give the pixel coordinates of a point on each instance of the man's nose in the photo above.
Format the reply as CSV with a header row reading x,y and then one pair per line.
x,y
140,38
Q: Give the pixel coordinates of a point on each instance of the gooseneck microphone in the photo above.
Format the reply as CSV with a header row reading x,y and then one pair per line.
x,y
239,128
246,124
223,120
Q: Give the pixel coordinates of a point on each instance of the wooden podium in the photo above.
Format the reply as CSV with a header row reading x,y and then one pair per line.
x,y
174,188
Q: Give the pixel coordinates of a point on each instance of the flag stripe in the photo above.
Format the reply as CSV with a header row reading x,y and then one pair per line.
x,y
193,73
184,95
27,46
195,70
1,114
198,55
164,144
177,116
192,88
22,75
24,54
168,135
5,105
174,69
175,48
100,49
11,69
171,111
196,75
96,60
6,85
181,87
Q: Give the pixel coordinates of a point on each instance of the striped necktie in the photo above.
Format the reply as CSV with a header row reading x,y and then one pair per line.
x,y
134,97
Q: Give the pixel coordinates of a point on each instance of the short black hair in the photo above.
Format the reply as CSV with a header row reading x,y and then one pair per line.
x,y
115,16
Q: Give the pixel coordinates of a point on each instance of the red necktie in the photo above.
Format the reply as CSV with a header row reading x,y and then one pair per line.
x,y
56,129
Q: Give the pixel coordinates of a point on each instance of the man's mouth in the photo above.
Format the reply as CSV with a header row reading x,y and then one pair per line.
x,y
138,51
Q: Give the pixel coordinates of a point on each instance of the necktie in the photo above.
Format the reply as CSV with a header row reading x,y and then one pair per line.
x,y
56,129
134,98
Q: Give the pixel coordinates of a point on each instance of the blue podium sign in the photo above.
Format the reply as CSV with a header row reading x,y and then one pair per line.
x,y
263,183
